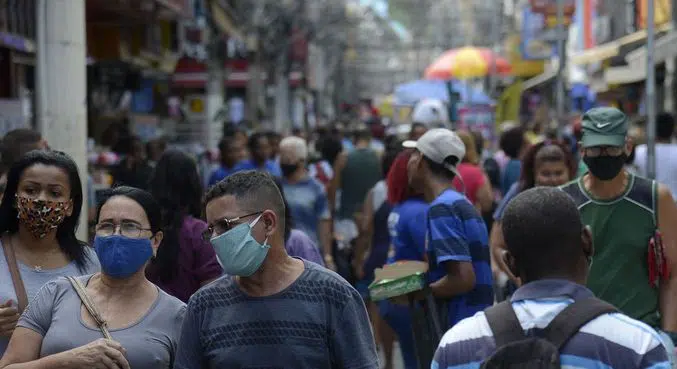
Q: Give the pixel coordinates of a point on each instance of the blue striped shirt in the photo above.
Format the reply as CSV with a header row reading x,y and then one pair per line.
x,y
456,232
608,341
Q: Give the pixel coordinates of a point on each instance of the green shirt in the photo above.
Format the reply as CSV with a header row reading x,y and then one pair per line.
x,y
621,229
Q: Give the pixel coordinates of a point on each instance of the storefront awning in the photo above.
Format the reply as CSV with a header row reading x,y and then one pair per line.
x,y
664,49
611,49
635,71
549,74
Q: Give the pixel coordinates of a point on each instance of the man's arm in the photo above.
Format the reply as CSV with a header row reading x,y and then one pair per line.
x,y
352,340
363,242
667,219
451,249
335,182
189,353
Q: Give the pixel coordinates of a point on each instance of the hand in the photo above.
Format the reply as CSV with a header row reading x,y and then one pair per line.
x,y
100,354
9,316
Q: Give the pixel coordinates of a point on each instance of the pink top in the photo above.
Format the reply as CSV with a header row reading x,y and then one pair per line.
x,y
473,179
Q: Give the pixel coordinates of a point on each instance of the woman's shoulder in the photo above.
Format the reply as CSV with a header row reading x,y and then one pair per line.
x,y
169,306
91,264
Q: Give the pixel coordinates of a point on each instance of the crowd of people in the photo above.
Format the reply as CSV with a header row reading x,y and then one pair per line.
x,y
265,258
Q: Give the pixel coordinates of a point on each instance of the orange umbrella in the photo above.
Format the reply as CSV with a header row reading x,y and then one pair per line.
x,y
466,62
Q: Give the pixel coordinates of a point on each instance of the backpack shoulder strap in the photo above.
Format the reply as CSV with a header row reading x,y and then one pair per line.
x,y
504,323
573,318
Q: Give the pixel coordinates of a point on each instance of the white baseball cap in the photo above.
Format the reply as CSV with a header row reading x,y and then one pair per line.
x,y
430,112
438,144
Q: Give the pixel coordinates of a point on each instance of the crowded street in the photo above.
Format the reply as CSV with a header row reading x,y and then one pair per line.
x,y
339,184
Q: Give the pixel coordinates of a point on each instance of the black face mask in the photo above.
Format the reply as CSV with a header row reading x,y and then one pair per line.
x,y
288,169
605,167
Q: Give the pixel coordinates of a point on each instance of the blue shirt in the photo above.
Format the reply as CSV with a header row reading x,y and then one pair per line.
x,y
407,226
514,191
308,203
318,322
219,174
511,174
269,166
456,232
608,341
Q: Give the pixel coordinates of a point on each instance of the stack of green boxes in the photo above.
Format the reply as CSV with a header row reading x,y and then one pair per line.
x,y
398,279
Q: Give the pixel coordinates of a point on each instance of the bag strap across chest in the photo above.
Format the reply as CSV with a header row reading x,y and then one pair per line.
x,y
507,329
89,305
13,265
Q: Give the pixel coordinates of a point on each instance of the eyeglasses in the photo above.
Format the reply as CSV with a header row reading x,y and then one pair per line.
x,y
127,229
222,226
608,150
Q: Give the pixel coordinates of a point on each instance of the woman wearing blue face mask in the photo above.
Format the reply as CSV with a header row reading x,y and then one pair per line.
x,y
67,321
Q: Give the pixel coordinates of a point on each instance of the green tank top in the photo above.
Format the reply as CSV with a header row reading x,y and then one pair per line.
x,y
361,173
622,229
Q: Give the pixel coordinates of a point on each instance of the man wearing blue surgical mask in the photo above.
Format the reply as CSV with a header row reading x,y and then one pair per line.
x,y
270,310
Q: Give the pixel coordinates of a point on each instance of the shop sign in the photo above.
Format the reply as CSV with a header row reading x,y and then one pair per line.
x,y
534,46
478,118
549,7
662,13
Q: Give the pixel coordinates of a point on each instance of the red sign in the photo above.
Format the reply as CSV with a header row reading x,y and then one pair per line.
x,y
549,7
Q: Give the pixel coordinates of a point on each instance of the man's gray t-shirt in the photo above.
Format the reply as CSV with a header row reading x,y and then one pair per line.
x,y
34,279
318,322
55,313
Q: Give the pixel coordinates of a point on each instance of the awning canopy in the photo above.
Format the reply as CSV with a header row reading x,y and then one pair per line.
x,y
635,71
613,48
549,74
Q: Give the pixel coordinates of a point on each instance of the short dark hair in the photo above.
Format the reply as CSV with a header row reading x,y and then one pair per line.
x,y
16,143
363,134
439,170
330,148
226,143
254,190
288,218
665,125
512,141
542,230
253,142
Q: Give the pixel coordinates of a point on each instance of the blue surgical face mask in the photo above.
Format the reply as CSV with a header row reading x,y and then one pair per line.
x,y
120,256
238,252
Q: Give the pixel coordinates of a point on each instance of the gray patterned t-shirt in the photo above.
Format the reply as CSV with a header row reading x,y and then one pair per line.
x,y
319,322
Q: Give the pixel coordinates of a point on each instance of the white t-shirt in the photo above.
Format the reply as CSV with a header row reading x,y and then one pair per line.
x,y
666,164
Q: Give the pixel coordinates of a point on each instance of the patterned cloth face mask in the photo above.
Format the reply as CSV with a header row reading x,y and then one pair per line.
x,y
40,216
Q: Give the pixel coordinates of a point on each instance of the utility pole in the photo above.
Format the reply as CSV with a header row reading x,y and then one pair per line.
x,y
62,84
561,53
650,94
215,89
496,40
